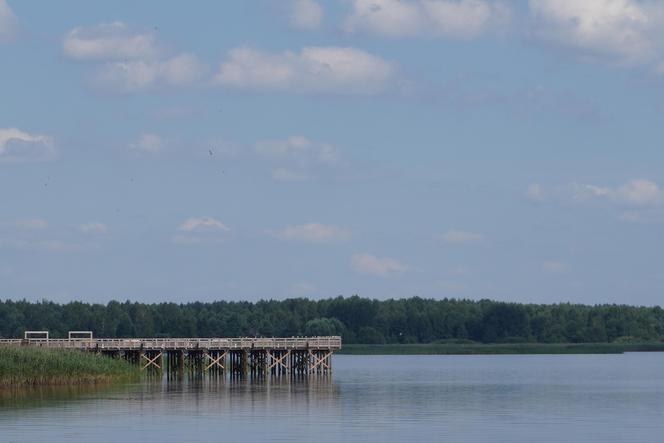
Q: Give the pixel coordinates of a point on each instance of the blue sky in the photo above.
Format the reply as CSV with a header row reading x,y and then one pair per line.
x,y
271,149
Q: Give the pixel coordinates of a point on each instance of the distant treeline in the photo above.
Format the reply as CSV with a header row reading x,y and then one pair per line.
x,y
358,320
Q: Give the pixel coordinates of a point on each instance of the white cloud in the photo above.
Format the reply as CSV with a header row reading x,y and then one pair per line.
x,y
318,70
17,146
462,237
392,18
130,61
8,23
449,18
639,192
313,232
150,143
555,266
297,158
108,41
293,144
535,192
138,75
299,148
628,31
306,14
202,224
200,231
93,228
372,265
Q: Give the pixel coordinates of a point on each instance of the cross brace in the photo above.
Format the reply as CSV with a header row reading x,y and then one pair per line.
x,y
151,361
319,361
278,360
216,361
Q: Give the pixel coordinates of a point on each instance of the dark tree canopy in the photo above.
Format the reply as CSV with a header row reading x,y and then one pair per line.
x,y
358,320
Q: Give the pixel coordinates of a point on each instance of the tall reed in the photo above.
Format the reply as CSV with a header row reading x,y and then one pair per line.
x,y
37,366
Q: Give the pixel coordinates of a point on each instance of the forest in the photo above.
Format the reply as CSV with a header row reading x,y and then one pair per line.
x,y
356,319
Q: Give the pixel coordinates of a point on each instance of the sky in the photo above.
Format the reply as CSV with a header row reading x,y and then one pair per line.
x,y
267,149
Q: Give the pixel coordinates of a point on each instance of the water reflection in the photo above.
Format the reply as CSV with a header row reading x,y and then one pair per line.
x,y
612,398
43,396
203,390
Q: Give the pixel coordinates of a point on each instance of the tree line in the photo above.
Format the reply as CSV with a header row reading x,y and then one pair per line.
x,y
356,319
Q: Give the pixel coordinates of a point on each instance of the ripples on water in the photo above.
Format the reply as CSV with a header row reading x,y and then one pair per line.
x,y
588,398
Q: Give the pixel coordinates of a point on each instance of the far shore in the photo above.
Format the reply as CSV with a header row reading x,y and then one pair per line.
x,y
500,349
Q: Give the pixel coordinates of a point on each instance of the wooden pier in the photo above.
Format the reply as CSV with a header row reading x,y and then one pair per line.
x,y
237,357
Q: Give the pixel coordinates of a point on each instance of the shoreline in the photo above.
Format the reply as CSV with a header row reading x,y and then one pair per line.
x,y
501,349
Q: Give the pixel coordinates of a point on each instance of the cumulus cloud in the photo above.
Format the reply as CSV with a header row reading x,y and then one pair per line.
x,y
130,61
93,228
297,158
299,148
317,70
17,145
139,75
200,231
313,232
150,143
372,265
8,23
108,41
306,14
639,192
202,224
627,31
461,19
462,237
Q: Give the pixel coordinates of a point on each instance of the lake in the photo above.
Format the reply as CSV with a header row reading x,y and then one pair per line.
x,y
517,398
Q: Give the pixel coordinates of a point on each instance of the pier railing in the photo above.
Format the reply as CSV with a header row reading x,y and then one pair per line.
x,y
236,356
295,343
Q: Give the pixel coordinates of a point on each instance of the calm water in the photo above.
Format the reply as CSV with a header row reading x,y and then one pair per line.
x,y
591,398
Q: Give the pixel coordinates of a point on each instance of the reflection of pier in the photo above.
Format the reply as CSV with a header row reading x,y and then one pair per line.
x,y
235,356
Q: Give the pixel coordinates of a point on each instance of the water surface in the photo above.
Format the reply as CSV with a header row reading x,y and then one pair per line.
x,y
545,398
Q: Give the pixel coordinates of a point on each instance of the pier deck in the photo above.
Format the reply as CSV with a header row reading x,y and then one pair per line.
x,y
237,356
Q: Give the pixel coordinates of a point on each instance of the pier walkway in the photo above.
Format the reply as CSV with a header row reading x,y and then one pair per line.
x,y
236,356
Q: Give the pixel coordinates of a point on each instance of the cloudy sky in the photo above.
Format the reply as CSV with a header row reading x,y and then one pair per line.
x,y
271,148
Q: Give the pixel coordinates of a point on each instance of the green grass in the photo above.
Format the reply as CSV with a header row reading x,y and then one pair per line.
x,y
500,349
36,366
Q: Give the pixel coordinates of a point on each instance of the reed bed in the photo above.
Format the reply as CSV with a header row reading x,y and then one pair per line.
x,y
37,366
